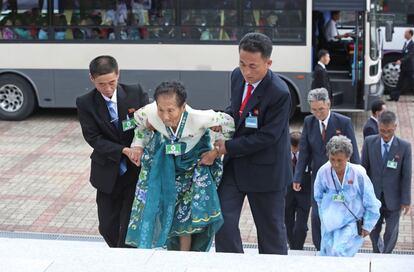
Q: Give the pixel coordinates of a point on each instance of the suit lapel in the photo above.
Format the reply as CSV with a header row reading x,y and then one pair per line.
x,y
122,106
236,102
393,149
254,99
331,129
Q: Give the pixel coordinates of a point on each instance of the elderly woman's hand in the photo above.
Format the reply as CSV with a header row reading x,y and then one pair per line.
x,y
134,154
207,158
364,233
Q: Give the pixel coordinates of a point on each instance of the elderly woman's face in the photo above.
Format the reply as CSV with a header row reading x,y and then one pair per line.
x,y
169,111
338,161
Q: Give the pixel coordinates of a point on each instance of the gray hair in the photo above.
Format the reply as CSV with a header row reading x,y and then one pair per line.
x,y
319,94
387,118
339,144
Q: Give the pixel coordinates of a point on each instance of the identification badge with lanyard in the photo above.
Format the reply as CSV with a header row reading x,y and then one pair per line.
x,y
392,164
251,121
174,147
128,124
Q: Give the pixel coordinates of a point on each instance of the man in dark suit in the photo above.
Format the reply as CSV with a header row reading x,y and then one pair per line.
x,y
104,115
297,203
371,126
318,129
257,159
320,75
407,66
387,160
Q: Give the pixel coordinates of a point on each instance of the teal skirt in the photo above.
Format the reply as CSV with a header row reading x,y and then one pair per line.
x,y
175,197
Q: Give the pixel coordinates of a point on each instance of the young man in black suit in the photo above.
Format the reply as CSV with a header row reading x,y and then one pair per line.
x,y
320,75
407,66
257,160
371,126
104,116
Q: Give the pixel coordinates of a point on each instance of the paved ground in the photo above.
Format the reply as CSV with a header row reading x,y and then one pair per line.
x,y
44,170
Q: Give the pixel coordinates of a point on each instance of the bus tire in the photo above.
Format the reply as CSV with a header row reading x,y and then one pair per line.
x,y
17,99
390,72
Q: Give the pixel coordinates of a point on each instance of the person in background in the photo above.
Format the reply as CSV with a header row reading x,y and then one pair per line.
x,y
320,75
388,161
297,203
406,78
371,126
348,208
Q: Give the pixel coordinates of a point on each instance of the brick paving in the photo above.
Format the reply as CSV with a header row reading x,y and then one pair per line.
x,y
44,170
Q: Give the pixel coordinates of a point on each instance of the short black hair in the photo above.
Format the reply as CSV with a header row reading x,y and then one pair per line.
x,y
387,118
335,12
256,42
171,88
322,53
295,138
103,65
377,106
411,32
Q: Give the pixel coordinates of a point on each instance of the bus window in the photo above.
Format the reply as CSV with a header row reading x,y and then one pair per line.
x,y
209,20
284,21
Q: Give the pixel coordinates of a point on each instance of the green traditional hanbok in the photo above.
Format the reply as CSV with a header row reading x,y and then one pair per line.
x,y
175,196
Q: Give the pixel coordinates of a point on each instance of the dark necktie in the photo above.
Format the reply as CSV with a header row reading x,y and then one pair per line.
x,y
246,98
385,154
294,161
323,133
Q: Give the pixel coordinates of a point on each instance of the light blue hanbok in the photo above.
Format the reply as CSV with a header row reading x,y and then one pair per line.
x,y
338,225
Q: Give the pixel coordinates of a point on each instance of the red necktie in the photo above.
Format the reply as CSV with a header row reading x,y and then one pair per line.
x,y
246,98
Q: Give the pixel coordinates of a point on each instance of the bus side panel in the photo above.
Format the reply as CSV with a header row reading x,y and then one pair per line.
x,y
148,80
301,85
69,84
207,89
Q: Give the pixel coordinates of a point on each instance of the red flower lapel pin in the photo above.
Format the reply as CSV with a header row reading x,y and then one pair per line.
x,y
350,182
396,157
256,112
131,110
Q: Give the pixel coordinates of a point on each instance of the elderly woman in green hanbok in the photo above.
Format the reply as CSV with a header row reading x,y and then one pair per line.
x,y
176,203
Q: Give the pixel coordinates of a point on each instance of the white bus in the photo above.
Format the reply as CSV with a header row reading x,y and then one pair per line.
x,y
403,13
46,46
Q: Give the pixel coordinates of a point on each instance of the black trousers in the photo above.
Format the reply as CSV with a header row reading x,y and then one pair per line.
x,y
296,217
406,80
114,210
268,209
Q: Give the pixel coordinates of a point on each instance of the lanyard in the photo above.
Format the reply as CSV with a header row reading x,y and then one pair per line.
x,y
175,137
337,191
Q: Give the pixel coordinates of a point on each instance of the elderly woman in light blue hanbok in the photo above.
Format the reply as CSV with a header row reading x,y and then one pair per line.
x,y
348,208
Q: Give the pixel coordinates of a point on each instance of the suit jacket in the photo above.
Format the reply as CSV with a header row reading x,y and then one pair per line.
x,y
106,140
321,79
407,60
313,149
370,128
395,184
260,157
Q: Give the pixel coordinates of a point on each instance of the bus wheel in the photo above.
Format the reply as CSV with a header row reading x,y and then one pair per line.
x,y
390,72
17,99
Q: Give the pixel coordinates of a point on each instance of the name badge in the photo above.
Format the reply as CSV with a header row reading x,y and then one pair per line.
x,y
173,149
338,198
392,164
128,124
251,122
